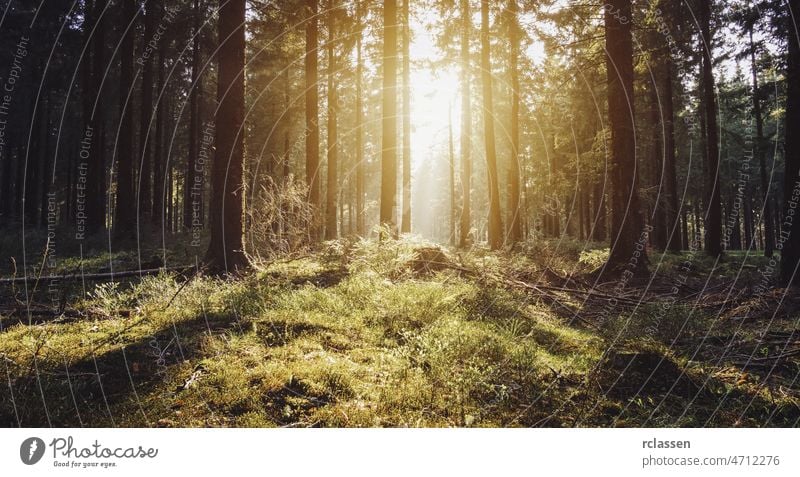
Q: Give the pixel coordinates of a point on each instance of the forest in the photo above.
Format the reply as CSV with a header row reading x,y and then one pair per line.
x,y
429,213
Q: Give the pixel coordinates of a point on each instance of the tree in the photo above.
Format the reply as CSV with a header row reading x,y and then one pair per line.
x,y
626,218
359,124
761,150
312,116
495,220
226,249
94,114
389,117
144,189
713,218
466,127
159,171
123,217
192,189
332,189
670,205
790,251
405,226
514,216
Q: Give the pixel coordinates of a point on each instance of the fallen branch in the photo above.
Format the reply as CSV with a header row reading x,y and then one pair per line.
x,y
97,276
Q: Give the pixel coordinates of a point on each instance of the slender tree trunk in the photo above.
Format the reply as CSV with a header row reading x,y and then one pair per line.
x,y
466,127
144,189
332,189
790,250
158,156
760,150
361,227
94,125
495,219
226,250
124,214
626,217
514,218
405,226
312,117
670,180
659,212
452,164
389,117
713,222
192,190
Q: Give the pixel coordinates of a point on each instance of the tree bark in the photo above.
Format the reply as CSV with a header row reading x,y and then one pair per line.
x,y
626,217
226,249
466,127
672,216
760,150
332,189
514,219
159,171
360,219
405,225
123,216
144,189
790,249
495,225
192,189
312,117
389,117
713,221
94,126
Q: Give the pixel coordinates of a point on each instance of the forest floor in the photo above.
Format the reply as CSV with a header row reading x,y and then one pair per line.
x,y
407,333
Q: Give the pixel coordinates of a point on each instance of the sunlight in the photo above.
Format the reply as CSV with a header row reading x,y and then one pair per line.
x,y
434,93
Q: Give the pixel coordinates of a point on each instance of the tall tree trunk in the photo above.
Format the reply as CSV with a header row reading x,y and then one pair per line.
x,y
713,222
657,180
226,250
514,218
769,230
332,189
405,226
144,189
626,217
159,172
361,227
94,119
192,189
389,117
466,127
790,252
495,219
312,117
452,164
672,217
123,216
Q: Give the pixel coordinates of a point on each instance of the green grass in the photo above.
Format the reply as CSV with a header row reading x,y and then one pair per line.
x,y
355,336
